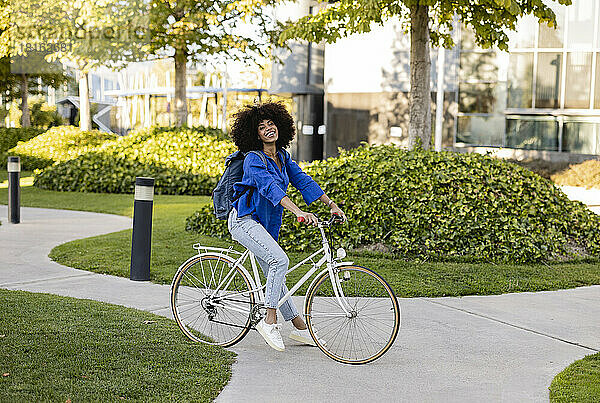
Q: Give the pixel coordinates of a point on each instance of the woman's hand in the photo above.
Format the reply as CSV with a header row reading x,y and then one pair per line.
x,y
309,218
335,210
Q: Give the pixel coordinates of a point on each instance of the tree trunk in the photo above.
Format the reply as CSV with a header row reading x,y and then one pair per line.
x,y
419,129
84,102
181,111
25,115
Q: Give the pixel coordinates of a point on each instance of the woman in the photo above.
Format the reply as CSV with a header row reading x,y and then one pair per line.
x,y
255,218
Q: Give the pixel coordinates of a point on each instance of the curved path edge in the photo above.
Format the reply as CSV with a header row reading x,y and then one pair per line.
x,y
25,265
497,348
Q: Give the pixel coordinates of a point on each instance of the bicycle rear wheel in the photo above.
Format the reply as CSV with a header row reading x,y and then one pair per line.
x,y
221,318
374,318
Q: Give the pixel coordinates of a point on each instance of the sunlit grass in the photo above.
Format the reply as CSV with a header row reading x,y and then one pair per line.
x,y
57,349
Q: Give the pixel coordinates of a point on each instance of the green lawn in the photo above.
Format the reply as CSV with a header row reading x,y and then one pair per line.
x,y
579,382
64,349
171,245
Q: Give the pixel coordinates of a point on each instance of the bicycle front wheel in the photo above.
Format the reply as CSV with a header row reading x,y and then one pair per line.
x,y
203,315
370,328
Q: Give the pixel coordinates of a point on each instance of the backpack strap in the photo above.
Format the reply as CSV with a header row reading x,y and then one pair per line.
x,y
250,188
264,160
261,155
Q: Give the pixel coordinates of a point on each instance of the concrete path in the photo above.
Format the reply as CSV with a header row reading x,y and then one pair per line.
x,y
496,348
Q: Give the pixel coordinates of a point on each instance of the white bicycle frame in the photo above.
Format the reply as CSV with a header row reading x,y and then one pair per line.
x,y
258,287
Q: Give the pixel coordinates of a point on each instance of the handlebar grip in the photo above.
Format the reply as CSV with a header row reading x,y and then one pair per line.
x,y
300,219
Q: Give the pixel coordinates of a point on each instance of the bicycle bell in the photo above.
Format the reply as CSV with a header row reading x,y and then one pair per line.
x,y
340,253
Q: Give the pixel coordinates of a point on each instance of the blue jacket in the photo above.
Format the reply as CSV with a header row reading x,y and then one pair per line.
x,y
271,185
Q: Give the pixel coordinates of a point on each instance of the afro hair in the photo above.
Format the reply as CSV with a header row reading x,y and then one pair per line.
x,y
244,131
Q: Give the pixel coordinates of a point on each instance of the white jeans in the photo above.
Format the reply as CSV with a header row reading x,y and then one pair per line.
x,y
271,258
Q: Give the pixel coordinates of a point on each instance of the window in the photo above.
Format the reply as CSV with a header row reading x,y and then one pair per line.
x,y
581,137
547,86
520,73
553,37
476,66
597,92
481,97
581,14
579,75
95,83
534,133
480,130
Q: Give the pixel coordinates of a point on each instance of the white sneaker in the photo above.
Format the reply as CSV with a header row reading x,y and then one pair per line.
x,y
271,334
303,336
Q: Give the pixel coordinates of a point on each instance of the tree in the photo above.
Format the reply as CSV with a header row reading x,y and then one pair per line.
x,y
83,33
428,21
19,86
189,30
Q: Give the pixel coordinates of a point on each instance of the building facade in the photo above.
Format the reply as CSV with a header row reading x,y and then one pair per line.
x,y
540,99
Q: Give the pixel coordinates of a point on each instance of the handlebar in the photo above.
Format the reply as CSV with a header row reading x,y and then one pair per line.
x,y
334,218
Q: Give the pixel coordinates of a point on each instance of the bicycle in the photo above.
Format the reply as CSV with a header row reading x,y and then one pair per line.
x,y
351,312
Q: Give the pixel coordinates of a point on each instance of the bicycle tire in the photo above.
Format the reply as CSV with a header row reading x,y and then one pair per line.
x,y
205,319
372,330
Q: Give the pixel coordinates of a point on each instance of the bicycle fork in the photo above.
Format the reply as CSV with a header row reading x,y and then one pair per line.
x,y
339,292
335,281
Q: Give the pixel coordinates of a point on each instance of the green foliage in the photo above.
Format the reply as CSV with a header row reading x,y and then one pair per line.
x,y
44,115
61,143
586,174
10,136
429,205
214,29
488,19
182,161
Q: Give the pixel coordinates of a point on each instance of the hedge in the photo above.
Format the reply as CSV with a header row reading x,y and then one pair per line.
x,y
10,137
439,205
60,143
182,161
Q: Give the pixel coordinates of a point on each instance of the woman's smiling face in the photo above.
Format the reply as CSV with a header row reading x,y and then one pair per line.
x,y
267,131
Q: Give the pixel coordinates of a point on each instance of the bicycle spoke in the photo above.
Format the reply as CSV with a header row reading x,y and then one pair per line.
x,y
208,316
373,321
195,282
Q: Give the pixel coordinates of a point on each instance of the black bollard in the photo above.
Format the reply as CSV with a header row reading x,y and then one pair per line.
x,y
14,190
142,229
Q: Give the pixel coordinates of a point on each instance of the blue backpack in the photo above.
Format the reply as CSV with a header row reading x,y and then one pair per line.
x,y
223,195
